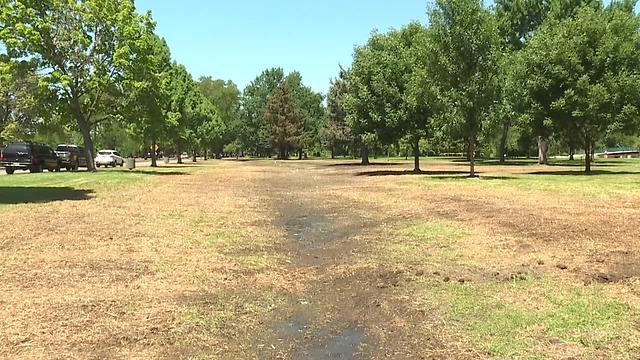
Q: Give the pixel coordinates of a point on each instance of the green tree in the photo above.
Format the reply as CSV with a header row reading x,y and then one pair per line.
x,y
253,131
517,21
80,47
584,74
464,43
147,90
312,112
337,133
210,126
284,120
181,122
390,93
226,97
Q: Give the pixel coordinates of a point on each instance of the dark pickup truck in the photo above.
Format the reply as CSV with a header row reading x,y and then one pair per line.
x,y
71,157
28,156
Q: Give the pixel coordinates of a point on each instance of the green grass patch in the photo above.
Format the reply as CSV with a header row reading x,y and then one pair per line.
x,y
414,243
27,188
209,320
510,319
47,187
610,178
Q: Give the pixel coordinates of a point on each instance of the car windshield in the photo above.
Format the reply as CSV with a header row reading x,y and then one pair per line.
x,y
16,148
62,148
105,153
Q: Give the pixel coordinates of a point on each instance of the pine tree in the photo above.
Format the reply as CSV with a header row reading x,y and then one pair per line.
x,y
283,118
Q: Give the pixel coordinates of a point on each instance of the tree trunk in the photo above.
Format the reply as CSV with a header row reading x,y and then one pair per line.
x,y
333,151
205,154
364,153
179,154
195,154
571,152
300,154
154,156
503,142
85,129
282,155
416,156
587,159
472,158
543,150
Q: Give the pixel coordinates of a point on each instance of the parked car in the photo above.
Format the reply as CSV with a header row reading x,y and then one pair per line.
x,y
31,156
71,157
109,158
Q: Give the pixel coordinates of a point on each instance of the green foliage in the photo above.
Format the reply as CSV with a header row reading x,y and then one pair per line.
x,y
284,120
226,97
146,82
312,111
253,132
80,49
464,61
583,75
383,81
13,131
337,133
390,93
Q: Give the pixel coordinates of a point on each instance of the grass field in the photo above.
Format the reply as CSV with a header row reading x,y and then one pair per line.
x,y
322,259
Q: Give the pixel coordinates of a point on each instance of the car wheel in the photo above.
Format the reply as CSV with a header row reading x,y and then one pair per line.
x,y
36,169
9,170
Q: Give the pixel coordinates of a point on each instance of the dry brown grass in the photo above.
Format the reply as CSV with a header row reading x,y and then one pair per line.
x,y
224,261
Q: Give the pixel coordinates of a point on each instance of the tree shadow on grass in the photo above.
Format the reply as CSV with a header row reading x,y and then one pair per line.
x,y
38,195
582,173
433,173
356,164
151,172
241,160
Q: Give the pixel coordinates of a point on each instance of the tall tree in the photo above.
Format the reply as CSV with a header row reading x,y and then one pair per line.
x,y
312,112
80,46
389,90
147,84
464,43
254,133
226,97
337,132
180,117
584,74
284,120
211,127
517,21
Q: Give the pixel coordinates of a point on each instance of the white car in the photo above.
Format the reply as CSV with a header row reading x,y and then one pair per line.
x,y
109,158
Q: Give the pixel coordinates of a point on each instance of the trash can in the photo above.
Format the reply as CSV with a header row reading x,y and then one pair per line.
x,y
131,163
166,159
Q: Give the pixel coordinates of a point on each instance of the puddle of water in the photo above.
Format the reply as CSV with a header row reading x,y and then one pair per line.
x,y
292,328
345,345
314,231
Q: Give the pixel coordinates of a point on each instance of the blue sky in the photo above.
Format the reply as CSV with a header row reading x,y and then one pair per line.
x,y
236,40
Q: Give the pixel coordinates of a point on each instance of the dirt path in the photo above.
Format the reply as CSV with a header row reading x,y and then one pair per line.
x,y
345,309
